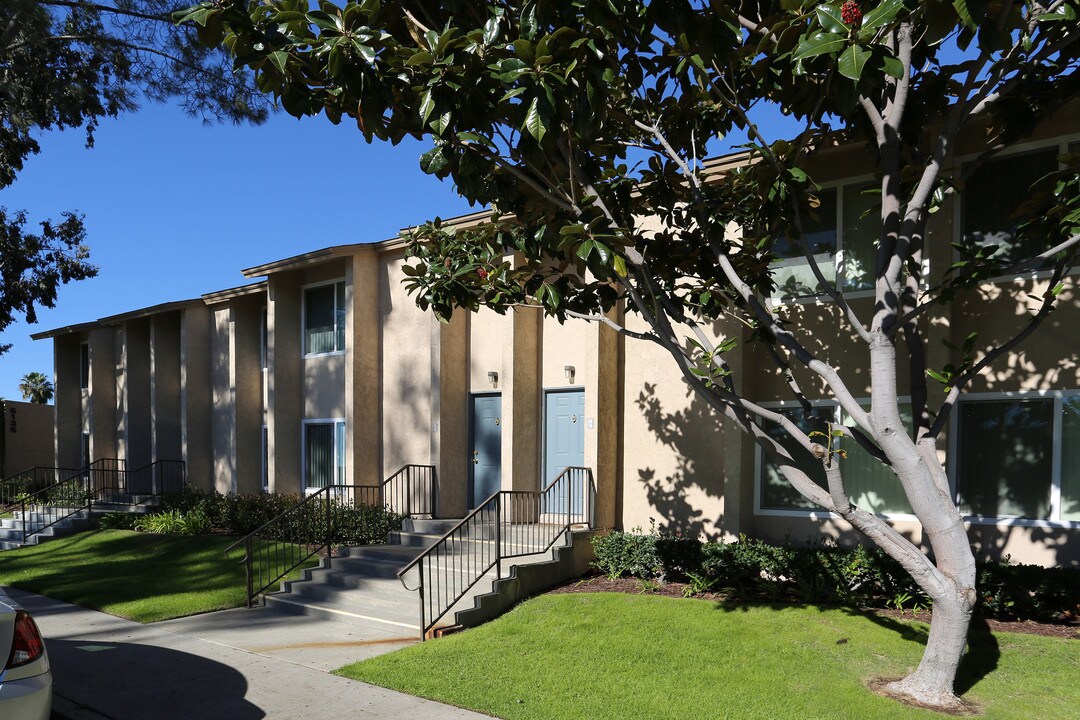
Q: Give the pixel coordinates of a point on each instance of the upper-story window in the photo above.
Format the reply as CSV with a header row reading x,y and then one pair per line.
x,y
995,193
84,365
842,235
324,318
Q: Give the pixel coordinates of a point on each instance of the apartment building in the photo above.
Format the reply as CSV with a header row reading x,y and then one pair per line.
x,y
322,370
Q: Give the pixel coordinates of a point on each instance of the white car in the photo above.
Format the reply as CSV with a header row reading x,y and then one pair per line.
x,y
26,681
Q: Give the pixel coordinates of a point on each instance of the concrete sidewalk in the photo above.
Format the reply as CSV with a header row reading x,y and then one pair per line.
x,y
246,666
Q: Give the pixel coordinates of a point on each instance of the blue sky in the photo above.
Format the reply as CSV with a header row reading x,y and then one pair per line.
x,y
175,208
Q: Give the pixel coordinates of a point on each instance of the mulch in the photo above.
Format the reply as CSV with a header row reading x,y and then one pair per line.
x,y
634,586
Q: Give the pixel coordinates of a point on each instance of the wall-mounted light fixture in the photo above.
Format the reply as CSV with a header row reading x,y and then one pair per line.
x,y
493,378
569,371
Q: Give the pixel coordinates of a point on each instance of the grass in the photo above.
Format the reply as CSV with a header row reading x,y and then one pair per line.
x,y
599,655
137,576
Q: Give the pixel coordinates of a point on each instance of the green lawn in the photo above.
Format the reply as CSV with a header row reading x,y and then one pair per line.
x,y
597,656
138,576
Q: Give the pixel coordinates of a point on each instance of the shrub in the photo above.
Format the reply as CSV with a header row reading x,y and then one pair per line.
x,y
118,521
751,569
627,553
165,523
241,514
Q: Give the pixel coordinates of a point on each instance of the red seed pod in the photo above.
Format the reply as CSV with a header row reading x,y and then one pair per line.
x,y
482,273
850,13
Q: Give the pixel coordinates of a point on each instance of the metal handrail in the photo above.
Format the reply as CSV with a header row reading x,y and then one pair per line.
x,y
521,508
282,540
82,484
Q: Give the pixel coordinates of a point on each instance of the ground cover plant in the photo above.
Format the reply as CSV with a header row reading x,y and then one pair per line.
x,y
861,577
649,657
138,576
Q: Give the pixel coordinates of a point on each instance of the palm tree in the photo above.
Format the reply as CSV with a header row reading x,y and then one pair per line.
x,y
36,388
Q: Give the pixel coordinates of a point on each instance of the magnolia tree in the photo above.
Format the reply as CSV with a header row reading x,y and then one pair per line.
x,y
584,126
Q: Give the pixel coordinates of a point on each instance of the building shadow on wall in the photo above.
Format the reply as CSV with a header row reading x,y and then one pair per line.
x,y
693,434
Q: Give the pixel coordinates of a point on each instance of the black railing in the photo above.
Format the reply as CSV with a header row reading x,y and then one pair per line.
x,y
103,481
327,517
32,480
509,524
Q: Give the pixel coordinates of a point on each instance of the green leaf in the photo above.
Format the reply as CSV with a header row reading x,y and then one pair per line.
x,y
491,30
894,67
427,106
830,18
821,44
883,14
535,123
620,266
422,57
852,61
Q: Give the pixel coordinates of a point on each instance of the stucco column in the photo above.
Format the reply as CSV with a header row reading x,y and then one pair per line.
x,y
102,394
165,387
223,408
363,353
247,381
136,395
285,382
522,356
450,412
195,387
607,470
68,398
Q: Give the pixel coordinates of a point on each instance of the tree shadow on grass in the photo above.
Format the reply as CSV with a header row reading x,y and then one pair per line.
x,y
981,658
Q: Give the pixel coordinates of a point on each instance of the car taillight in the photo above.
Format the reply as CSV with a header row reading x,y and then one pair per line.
x,y
27,645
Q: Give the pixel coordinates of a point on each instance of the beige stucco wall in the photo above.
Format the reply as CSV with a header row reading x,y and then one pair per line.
x,y
407,382
28,436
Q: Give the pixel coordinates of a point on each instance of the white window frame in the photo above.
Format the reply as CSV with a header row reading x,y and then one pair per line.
x,y
819,514
303,317
1054,521
304,449
838,259
1062,144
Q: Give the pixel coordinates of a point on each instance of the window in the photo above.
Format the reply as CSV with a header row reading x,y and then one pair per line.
x,y
1017,457
869,483
993,195
324,319
84,365
324,452
84,450
842,233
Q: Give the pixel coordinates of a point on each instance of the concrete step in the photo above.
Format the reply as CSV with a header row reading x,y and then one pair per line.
x,y
288,603
438,526
403,607
413,539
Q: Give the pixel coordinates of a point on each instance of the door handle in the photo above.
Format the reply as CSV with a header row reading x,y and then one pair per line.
x,y
476,461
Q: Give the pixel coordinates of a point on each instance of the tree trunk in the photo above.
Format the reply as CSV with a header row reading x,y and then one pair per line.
x,y
932,682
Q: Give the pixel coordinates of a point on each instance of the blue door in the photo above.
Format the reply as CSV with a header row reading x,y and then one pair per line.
x,y
564,446
485,452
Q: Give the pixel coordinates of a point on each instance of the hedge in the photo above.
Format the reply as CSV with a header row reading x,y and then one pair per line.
x,y
823,573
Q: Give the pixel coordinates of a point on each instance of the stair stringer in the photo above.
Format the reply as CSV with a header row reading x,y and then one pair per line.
x,y
525,580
